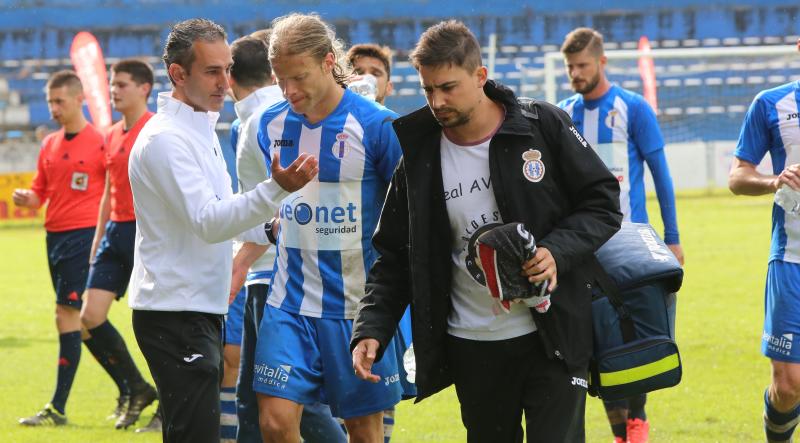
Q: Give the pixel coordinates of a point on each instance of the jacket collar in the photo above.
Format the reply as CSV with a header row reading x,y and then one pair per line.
x,y
420,128
246,107
201,122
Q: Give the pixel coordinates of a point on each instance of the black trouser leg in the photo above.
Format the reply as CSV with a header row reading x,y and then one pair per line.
x,y
184,353
496,381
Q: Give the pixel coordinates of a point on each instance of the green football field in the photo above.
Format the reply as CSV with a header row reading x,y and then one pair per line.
x,y
720,308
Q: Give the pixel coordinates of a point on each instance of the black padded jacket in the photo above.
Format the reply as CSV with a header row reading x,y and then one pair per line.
x,y
569,201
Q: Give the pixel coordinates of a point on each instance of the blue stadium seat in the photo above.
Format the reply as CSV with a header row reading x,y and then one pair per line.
x,y
525,31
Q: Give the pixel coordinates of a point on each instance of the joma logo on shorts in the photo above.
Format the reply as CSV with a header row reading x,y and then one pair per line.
x,y
391,379
792,115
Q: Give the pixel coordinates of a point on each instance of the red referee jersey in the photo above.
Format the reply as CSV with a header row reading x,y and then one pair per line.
x,y
118,148
71,175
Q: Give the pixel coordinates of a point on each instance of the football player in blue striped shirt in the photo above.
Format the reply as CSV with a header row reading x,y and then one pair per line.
x,y
772,126
369,58
622,127
324,248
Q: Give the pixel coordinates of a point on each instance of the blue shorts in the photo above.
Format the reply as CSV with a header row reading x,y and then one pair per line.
x,y
781,338
402,340
68,258
292,351
113,261
234,319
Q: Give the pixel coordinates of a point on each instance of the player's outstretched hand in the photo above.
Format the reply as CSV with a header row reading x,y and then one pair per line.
x,y
363,358
295,176
542,267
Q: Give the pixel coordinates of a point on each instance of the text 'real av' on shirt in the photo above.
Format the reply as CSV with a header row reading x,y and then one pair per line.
x,y
472,210
187,214
70,178
325,243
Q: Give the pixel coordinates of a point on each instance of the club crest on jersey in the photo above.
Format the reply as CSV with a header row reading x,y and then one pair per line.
x,y
533,169
341,148
80,181
612,118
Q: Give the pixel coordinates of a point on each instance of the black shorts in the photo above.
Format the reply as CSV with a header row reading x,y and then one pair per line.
x,y
497,380
68,258
113,262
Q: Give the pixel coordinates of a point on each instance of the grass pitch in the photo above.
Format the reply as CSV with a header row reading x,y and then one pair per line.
x,y
720,310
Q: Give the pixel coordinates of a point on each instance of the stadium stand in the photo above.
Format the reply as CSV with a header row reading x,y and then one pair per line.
x,y
525,30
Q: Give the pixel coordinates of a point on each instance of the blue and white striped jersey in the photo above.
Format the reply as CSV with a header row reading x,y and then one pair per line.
x,y
772,125
325,242
622,128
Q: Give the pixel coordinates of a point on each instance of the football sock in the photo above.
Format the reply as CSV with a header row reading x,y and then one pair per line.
x,y
109,340
69,355
620,430
228,419
636,407
779,426
104,359
388,424
617,411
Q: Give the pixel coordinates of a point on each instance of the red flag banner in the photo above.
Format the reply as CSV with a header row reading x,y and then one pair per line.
x,y
647,70
87,57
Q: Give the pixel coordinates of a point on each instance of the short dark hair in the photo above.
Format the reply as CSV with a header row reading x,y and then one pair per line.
x,y
66,77
178,48
581,38
140,71
263,35
450,43
251,66
382,53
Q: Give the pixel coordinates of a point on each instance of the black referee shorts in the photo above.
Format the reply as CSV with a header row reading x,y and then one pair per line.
x,y
497,380
184,353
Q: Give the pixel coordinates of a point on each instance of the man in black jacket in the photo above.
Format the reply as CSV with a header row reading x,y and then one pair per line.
x,y
475,159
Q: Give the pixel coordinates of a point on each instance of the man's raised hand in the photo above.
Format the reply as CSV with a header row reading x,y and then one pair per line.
x,y
304,168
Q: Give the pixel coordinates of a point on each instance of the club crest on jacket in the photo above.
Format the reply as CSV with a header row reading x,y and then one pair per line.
x,y
533,169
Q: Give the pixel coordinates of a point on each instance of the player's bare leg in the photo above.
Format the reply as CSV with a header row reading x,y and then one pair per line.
x,y
366,429
279,419
782,413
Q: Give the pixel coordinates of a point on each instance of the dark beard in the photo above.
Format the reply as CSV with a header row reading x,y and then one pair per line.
x,y
459,119
590,85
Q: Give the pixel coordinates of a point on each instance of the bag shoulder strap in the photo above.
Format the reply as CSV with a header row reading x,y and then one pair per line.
x,y
611,291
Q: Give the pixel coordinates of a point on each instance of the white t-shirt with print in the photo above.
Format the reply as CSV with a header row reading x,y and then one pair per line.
x,y
472,210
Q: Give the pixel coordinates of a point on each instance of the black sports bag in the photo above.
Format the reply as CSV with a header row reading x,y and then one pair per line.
x,y
633,314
